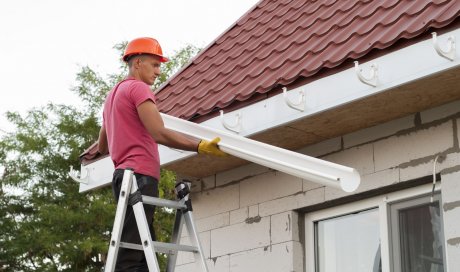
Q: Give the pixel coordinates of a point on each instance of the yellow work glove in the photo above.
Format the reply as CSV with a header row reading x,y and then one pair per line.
x,y
210,148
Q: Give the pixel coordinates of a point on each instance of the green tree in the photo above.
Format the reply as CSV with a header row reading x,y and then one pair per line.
x,y
46,225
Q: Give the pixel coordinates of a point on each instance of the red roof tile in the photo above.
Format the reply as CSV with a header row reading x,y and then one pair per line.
x,y
279,41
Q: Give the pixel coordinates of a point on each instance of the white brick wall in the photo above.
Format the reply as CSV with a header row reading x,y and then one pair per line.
x,y
268,186
284,227
187,257
247,215
451,216
240,237
213,222
440,112
423,143
240,173
457,122
377,132
208,182
322,148
253,211
238,216
291,202
218,264
360,157
368,182
308,185
280,257
219,200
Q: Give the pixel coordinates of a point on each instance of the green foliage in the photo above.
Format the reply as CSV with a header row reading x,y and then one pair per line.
x,y
49,225
176,62
46,225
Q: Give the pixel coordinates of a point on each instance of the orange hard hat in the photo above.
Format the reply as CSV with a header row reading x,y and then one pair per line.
x,y
144,46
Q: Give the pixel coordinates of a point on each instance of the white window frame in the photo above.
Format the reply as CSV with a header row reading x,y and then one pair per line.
x,y
381,202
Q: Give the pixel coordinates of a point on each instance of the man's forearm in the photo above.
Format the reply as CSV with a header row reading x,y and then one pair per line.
x,y
177,140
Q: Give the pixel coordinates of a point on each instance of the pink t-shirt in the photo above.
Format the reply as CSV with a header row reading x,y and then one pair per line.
x,y
130,144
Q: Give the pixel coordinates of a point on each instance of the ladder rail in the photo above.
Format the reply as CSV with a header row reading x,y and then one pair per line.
x,y
176,236
118,222
144,232
200,260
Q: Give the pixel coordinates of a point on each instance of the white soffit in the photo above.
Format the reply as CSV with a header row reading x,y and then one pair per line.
x,y
394,69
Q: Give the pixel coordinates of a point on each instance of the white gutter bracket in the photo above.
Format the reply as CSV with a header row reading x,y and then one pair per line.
x,y
300,106
372,80
450,52
74,174
236,127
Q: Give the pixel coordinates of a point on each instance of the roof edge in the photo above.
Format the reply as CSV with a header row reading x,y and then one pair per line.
x,y
401,67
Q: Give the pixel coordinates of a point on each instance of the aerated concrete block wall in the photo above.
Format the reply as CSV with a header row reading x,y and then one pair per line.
x,y
247,218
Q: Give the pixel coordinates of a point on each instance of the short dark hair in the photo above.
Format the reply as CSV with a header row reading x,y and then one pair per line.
x,y
130,59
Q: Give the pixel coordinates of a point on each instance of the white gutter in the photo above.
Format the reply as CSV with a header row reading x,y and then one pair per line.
x,y
394,69
303,166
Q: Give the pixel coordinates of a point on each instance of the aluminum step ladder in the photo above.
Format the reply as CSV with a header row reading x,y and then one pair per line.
x,y
129,195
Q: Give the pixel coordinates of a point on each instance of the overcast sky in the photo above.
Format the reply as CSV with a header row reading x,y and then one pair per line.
x,y
44,42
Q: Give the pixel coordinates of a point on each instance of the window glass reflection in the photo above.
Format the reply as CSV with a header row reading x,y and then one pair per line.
x,y
421,238
349,243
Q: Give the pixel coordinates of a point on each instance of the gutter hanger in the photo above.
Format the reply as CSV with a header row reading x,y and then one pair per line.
x,y
303,166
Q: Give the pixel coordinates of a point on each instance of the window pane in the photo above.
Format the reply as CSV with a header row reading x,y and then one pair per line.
x,y
421,238
349,243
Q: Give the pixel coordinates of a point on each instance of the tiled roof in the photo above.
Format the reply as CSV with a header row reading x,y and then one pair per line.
x,y
278,42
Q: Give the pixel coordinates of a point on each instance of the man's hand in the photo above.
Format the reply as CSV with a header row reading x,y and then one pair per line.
x,y
102,144
211,148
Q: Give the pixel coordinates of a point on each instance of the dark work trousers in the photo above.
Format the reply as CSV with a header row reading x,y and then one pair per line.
x,y
131,260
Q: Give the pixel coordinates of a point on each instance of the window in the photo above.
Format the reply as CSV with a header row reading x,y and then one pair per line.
x,y
416,236
397,232
336,236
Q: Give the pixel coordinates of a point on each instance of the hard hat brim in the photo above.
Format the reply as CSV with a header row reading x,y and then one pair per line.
x,y
127,57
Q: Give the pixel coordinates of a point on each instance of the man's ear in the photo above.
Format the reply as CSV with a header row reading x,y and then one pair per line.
x,y
137,63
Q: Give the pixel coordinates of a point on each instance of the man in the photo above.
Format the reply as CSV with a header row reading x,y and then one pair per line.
x,y
131,131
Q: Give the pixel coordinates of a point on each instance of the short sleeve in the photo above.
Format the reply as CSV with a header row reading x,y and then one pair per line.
x,y
140,92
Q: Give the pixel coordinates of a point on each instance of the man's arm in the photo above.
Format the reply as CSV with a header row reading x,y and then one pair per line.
x,y
152,121
102,145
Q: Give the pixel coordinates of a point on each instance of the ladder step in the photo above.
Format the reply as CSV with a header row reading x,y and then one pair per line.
x,y
167,248
163,202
